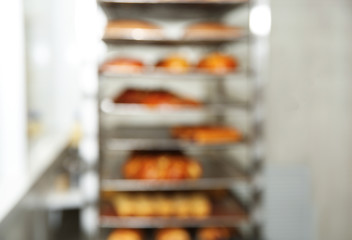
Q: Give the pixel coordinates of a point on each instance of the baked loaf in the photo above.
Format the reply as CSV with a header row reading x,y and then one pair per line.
x,y
125,234
217,63
159,204
132,29
174,64
172,234
207,134
161,165
213,233
154,98
211,31
122,65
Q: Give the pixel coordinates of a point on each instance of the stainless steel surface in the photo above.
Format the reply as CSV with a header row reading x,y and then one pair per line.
x,y
218,172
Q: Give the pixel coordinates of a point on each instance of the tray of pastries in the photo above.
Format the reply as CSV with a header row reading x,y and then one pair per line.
x,y
168,170
170,209
179,137
145,31
213,64
205,233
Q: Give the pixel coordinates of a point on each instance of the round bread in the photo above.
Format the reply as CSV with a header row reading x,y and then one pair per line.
x,y
211,30
174,64
132,29
122,65
125,234
172,234
212,233
218,63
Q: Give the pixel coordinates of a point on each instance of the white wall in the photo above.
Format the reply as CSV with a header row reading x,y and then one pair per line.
x,y
310,103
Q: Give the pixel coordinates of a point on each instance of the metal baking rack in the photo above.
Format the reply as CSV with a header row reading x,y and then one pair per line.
x,y
221,172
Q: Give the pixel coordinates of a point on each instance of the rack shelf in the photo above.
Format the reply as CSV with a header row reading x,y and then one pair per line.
x,y
217,174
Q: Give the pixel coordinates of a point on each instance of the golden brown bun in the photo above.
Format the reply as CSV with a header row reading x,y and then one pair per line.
x,y
218,63
172,234
122,65
132,29
207,134
125,234
161,165
211,30
212,233
174,64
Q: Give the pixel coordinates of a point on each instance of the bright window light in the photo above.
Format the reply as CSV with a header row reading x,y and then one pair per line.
x,y
260,20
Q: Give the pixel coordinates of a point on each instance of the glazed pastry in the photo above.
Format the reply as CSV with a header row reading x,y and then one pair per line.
x,y
211,30
207,134
172,234
217,63
122,65
125,234
174,64
132,29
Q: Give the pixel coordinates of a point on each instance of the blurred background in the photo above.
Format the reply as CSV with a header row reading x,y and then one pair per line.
x,y
270,77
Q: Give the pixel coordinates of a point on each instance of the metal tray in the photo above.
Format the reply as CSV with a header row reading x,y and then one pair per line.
x,y
175,41
136,138
226,212
107,106
217,173
111,75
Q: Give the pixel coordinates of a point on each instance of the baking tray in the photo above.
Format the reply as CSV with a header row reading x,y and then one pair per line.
x,y
139,138
175,41
164,75
218,173
107,106
226,212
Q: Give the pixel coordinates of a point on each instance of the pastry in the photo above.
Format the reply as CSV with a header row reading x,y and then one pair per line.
x,y
174,64
125,234
217,63
122,65
154,98
213,233
207,134
210,31
172,234
200,205
132,29
161,165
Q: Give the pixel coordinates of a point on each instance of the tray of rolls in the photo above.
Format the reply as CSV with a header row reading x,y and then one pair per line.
x,y
213,64
168,171
171,209
204,233
178,137
197,33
